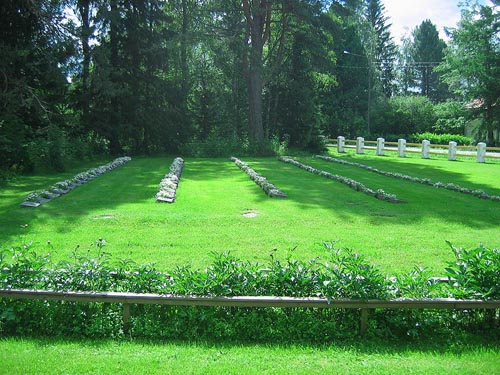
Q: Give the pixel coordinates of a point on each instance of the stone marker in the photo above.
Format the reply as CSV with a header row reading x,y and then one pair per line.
x,y
360,144
426,146
340,144
452,150
30,204
401,148
380,146
481,152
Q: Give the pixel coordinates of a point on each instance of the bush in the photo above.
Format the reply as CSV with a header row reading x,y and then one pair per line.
x,y
403,115
343,274
441,139
475,273
451,118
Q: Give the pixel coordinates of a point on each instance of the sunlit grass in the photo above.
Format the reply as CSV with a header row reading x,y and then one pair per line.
x,y
214,194
31,356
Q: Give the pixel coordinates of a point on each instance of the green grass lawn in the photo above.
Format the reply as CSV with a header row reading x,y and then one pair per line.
x,y
214,194
208,216
32,356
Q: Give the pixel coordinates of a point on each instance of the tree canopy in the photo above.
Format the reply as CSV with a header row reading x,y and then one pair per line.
x,y
83,77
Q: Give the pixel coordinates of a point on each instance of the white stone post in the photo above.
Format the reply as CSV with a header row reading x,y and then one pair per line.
x,y
452,150
426,145
401,148
360,144
481,152
380,146
340,143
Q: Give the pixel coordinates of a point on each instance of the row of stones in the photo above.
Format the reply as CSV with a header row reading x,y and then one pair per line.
x,y
36,198
265,185
353,184
425,181
426,148
168,185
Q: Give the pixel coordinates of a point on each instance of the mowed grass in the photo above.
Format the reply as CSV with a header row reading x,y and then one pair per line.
x,y
214,194
31,356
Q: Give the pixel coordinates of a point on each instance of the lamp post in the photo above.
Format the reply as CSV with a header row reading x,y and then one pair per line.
x,y
368,114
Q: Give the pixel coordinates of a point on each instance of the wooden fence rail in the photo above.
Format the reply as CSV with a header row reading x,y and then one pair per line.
x,y
127,299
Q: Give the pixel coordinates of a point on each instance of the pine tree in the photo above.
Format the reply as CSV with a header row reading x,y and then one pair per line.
x,y
427,53
379,44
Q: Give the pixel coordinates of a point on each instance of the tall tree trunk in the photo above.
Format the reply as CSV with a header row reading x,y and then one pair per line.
x,y
255,126
114,142
258,20
84,11
184,62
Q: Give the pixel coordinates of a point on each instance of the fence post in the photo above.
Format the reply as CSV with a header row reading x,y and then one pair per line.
x,y
380,146
363,323
340,144
452,150
481,152
360,144
426,145
401,148
126,317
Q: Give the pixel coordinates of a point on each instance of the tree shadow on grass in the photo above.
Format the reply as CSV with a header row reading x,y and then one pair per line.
x,y
134,182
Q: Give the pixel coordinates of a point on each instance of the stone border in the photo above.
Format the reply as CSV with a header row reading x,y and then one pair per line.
x,y
169,183
424,181
265,185
37,198
353,184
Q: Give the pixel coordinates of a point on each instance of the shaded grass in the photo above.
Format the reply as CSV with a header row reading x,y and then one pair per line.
x,y
214,194
32,356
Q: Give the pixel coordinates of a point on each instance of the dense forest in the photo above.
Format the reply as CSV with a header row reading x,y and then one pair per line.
x,y
80,78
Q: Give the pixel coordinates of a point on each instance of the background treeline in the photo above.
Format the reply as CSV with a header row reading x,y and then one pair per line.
x,y
79,78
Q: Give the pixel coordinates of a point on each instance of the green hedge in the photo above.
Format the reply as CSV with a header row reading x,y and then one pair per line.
x,y
341,274
442,139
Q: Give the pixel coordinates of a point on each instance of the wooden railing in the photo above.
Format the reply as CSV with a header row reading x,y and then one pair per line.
x,y
128,299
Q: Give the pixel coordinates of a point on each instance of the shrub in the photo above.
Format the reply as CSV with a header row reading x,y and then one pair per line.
x,y
403,115
344,274
475,273
441,139
451,118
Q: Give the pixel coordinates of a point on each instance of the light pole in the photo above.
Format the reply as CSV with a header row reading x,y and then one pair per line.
x,y
368,114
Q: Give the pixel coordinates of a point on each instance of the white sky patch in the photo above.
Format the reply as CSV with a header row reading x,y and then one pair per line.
x,y
406,15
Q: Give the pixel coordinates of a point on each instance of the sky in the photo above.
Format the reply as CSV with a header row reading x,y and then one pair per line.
x,y
405,15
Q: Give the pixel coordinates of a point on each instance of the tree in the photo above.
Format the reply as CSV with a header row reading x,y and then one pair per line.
x,y
405,73
471,66
258,15
351,99
427,53
35,49
304,85
379,44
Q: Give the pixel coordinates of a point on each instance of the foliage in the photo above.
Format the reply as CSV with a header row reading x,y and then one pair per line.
x,y
441,139
343,274
475,273
472,63
451,118
428,51
404,115
379,44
